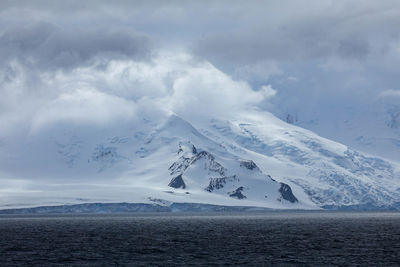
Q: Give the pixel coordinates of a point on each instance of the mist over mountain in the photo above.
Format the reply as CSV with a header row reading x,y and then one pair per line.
x,y
272,105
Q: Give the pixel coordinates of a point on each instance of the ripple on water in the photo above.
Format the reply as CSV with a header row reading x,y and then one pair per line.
x,y
315,238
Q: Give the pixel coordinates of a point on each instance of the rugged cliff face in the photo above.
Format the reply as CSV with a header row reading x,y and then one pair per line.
x,y
243,179
255,160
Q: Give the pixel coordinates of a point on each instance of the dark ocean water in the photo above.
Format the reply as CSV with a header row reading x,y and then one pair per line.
x,y
251,239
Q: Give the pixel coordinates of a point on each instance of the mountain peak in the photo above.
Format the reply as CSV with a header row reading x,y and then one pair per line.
x,y
255,160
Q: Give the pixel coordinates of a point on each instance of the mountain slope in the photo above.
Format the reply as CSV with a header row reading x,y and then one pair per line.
x,y
330,173
374,129
254,160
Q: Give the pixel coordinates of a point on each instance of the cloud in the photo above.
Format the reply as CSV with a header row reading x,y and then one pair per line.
x,y
390,100
390,93
83,106
115,91
342,53
102,64
267,91
321,30
45,46
203,90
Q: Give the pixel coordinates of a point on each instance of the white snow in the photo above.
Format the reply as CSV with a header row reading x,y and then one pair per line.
x,y
131,163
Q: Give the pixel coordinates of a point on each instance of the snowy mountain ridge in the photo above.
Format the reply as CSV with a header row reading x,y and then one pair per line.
x,y
193,167
255,160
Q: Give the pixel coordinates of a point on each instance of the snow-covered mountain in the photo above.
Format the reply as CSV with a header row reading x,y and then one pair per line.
x,y
254,160
373,128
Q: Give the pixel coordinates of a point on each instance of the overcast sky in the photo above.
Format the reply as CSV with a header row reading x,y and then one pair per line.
x,y
65,60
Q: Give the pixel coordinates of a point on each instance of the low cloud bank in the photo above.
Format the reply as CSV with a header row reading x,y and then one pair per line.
x,y
111,91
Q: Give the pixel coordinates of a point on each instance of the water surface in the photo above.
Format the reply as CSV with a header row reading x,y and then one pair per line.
x,y
273,238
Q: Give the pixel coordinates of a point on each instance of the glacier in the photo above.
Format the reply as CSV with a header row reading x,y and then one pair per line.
x,y
253,161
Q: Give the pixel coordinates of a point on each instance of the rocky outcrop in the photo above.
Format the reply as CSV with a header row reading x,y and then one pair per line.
x,y
177,182
216,178
218,183
190,155
248,164
238,193
287,193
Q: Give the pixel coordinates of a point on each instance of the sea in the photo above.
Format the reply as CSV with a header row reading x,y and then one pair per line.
x,y
202,239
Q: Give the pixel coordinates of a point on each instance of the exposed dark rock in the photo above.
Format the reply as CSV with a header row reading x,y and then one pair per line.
x,y
185,162
104,153
212,165
249,164
180,166
269,176
237,193
177,182
204,154
218,183
291,118
287,193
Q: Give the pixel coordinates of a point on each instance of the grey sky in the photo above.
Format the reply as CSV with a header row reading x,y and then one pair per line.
x,y
338,53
